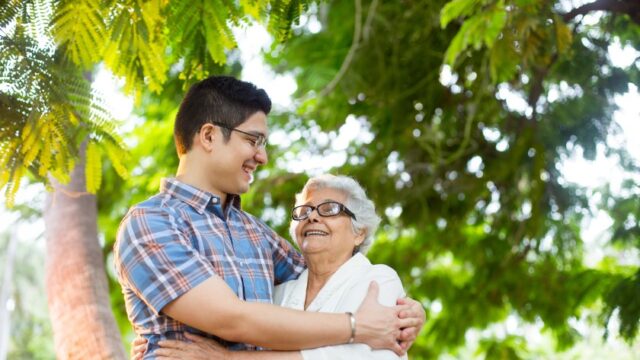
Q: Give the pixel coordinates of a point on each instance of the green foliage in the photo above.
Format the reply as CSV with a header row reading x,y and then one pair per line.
x,y
479,220
511,30
201,33
80,24
284,14
93,171
136,45
30,333
48,107
624,298
482,29
503,349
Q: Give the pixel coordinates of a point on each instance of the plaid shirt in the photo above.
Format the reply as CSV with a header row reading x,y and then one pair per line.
x,y
182,236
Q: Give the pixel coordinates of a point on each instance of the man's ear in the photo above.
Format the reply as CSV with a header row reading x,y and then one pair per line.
x,y
206,136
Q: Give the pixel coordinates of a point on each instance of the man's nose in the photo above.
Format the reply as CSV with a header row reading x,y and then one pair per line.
x,y
261,156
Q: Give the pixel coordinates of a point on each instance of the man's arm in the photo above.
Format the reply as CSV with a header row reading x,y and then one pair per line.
x,y
284,329
155,258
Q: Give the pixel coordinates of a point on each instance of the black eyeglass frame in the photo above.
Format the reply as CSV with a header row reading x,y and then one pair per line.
x,y
343,209
260,142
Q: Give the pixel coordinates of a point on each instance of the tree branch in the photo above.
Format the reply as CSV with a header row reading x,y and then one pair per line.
x,y
629,7
352,51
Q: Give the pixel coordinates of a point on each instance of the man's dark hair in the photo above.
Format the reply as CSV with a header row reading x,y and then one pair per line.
x,y
217,99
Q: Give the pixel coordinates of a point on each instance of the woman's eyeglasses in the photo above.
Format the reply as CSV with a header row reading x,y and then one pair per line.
x,y
326,209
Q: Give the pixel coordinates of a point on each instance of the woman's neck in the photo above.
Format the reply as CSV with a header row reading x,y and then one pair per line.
x,y
320,271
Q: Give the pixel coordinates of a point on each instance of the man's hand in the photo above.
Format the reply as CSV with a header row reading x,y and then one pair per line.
x,y
198,348
380,326
416,311
138,347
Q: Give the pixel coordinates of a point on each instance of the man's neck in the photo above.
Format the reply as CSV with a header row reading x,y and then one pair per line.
x,y
194,176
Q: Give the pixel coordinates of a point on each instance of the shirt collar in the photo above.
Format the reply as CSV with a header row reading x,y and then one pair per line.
x,y
196,198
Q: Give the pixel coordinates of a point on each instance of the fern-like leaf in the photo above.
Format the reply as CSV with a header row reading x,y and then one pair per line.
x,y
283,15
117,155
79,25
136,46
93,167
14,184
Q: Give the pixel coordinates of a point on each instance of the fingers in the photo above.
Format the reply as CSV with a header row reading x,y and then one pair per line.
x,y
398,349
408,334
410,310
408,323
138,348
372,292
167,354
203,343
404,345
171,344
404,311
139,341
194,337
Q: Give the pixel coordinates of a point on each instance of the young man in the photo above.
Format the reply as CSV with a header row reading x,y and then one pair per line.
x,y
189,259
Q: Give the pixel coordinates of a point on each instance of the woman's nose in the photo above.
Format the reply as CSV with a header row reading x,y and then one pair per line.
x,y
313,216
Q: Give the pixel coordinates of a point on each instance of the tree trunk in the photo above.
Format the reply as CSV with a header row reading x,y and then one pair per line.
x,y
76,283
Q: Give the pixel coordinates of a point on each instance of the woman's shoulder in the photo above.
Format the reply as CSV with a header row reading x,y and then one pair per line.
x,y
384,270
379,271
390,285
383,274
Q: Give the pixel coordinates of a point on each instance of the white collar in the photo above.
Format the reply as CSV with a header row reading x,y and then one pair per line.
x,y
347,273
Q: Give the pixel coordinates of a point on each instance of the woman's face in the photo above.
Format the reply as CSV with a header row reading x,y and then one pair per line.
x,y
332,235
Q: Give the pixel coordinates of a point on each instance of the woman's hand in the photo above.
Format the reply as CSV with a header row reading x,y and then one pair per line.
x,y
199,348
138,347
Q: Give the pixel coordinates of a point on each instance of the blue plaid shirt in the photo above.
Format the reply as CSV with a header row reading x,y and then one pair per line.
x,y
180,237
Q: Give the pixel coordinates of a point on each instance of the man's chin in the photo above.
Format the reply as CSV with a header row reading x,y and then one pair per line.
x,y
243,188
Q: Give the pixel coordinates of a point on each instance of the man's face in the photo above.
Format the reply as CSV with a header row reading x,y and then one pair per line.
x,y
235,161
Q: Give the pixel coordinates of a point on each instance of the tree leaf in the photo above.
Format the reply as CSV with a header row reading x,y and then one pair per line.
x,y
93,167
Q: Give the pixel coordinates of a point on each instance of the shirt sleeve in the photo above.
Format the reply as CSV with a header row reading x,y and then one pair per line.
x,y
390,290
155,259
287,261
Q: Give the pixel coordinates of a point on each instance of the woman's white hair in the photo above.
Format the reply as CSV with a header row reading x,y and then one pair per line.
x,y
357,201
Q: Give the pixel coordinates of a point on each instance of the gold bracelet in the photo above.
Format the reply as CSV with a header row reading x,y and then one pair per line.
x,y
352,321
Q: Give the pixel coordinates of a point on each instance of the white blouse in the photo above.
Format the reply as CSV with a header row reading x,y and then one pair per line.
x,y
344,292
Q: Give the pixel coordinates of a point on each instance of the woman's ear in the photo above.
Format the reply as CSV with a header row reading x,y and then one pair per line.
x,y
360,237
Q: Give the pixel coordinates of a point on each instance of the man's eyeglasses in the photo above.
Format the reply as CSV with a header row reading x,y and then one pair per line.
x,y
259,141
326,209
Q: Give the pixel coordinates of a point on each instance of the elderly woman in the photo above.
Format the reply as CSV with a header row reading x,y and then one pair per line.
x,y
333,223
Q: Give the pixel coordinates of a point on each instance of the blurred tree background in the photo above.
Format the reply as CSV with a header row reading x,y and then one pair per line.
x,y
456,116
